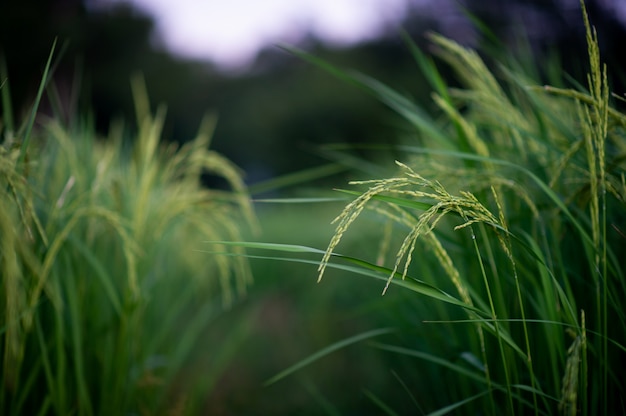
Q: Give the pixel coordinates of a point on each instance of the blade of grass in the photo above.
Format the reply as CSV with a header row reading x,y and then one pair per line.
x,y
413,114
498,329
76,334
292,248
434,77
7,106
406,108
299,177
304,200
454,406
400,202
458,370
105,279
408,391
364,268
325,351
33,113
47,368
384,407
326,405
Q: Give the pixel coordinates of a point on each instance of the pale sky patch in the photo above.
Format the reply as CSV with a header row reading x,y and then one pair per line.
x,y
230,33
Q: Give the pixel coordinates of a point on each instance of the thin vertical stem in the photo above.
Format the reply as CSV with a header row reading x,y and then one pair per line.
x,y
495,321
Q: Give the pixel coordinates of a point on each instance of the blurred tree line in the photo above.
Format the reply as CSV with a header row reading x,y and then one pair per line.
x,y
272,116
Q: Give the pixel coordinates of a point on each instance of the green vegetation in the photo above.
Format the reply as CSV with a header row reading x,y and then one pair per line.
x,y
105,303
506,215
497,240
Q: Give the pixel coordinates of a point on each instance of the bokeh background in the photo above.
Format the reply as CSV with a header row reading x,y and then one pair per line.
x,y
273,109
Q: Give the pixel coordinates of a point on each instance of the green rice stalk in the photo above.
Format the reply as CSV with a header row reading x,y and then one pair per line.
x,y
445,203
94,240
7,108
569,394
33,113
507,248
549,157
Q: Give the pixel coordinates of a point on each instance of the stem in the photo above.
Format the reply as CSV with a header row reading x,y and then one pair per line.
x,y
495,322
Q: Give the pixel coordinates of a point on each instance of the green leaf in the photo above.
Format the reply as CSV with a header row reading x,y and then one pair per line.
x,y
401,202
33,113
447,409
380,403
363,268
325,351
269,246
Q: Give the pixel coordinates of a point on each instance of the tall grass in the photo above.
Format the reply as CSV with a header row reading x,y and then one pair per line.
x,y
506,215
105,303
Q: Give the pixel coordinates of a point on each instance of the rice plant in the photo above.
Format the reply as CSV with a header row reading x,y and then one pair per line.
x,y
508,206
105,303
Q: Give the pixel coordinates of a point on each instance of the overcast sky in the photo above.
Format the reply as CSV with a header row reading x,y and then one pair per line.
x,y
230,33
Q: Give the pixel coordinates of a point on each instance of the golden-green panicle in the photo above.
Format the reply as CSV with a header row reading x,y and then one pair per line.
x,y
354,209
596,118
595,121
595,126
14,301
458,177
487,103
19,226
385,243
569,391
412,185
167,190
478,145
564,162
448,266
476,74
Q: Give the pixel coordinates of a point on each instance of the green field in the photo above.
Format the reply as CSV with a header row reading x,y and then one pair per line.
x,y
475,268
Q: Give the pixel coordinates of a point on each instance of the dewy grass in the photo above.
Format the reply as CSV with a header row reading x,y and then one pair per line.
x,y
104,298
531,178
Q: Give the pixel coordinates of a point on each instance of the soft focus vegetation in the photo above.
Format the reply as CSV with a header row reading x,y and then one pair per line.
x,y
104,299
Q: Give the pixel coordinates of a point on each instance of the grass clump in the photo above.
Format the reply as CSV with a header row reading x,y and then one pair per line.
x,y
518,190
105,303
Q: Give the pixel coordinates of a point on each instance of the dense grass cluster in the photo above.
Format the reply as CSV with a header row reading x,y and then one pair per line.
x,y
104,300
532,182
507,212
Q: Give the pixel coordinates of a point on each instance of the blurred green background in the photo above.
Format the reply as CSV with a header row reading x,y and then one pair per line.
x,y
274,114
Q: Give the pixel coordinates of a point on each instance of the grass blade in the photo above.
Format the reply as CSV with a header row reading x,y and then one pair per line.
x,y
363,268
325,351
384,407
454,406
33,113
